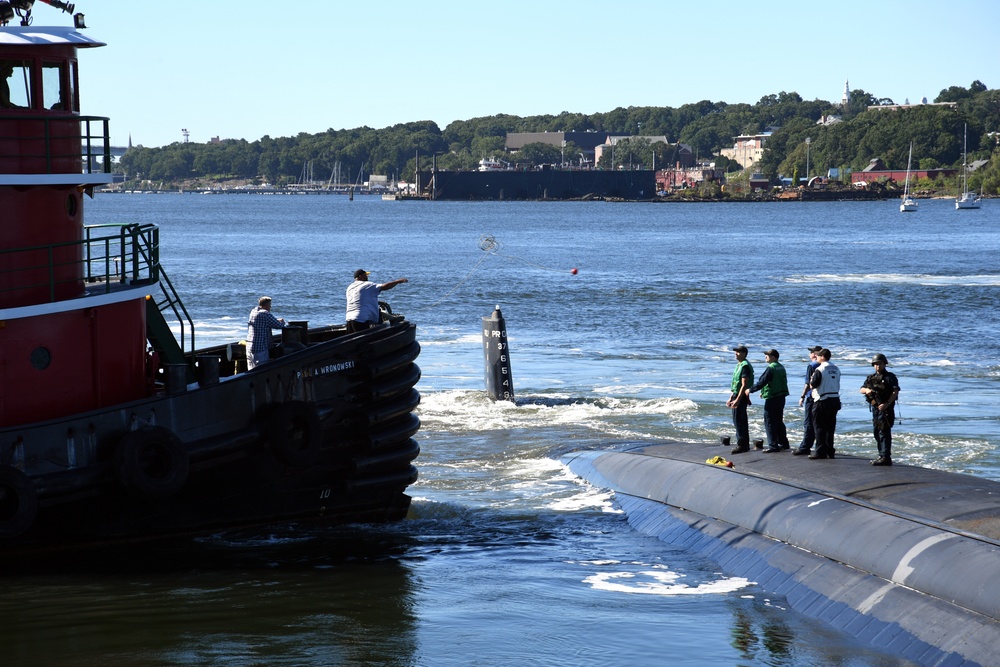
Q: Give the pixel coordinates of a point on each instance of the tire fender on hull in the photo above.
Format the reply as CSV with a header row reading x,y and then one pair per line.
x,y
152,462
295,433
18,502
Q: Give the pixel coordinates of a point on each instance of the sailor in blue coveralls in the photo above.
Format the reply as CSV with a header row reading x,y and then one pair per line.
x,y
825,384
806,403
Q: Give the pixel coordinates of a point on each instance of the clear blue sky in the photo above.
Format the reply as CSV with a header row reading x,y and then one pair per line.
x,y
249,68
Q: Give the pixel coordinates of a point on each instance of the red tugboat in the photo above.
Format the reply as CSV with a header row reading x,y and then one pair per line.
x,y
113,429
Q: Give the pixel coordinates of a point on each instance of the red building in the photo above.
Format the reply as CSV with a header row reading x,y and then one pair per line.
x,y
876,171
686,177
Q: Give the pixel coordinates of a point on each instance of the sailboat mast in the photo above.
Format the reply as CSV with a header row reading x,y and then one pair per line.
x,y
965,158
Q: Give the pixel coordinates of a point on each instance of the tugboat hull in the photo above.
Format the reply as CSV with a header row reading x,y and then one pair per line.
x,y
323,432
114,428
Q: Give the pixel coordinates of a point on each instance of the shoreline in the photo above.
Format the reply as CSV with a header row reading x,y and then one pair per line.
x,y
757,198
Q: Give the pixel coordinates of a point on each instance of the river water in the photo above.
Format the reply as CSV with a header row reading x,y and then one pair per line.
x,y
506,558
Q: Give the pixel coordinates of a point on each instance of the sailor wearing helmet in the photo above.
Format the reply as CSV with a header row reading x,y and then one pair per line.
x,y
881,388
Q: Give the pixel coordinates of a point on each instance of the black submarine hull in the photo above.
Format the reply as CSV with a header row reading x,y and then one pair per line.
x,y
906,559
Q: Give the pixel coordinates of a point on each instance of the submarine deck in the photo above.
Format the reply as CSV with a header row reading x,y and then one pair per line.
x,y
951,501
904,558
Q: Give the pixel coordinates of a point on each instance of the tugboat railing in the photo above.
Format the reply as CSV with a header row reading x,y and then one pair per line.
x,y
55,139
150,252
109,258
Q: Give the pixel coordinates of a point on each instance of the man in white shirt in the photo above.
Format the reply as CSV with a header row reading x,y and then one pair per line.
x,y
362,300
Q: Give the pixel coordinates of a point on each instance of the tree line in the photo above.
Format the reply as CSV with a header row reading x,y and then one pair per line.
x,y
707,127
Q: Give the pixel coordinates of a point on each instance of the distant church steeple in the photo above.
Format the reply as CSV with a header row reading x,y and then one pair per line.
x,y
846,97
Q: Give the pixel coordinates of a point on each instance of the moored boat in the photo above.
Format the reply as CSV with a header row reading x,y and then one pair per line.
x,y
492,164
967,199
908,205
116,429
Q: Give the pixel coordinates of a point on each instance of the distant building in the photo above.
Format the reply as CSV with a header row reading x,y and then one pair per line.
x,y
614,140
759,182
587,141
876,171
680,177
748,149
924,103
683,157
845,99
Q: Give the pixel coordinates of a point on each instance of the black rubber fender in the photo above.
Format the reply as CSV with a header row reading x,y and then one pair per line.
x,y
394,432
18,502
295,433
152,462
391,460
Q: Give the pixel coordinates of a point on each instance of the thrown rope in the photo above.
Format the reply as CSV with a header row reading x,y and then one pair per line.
x,y
490,246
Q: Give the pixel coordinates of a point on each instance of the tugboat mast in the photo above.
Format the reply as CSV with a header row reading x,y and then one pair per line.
x,y
23,9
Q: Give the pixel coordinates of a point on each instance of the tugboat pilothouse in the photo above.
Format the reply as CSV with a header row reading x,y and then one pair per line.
x,y
112,427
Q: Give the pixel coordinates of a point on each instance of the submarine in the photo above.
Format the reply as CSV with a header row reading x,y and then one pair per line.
x,y
904,558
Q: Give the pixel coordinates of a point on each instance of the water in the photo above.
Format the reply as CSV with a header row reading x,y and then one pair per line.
x,y
506,558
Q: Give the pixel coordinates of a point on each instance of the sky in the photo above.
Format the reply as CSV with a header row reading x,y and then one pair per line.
x,y
248,68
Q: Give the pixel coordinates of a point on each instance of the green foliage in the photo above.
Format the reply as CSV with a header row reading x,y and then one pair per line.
x,y
987,179
537,154
705,126
637,153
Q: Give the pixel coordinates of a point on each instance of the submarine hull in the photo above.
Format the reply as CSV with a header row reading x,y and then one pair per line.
x,y
904,558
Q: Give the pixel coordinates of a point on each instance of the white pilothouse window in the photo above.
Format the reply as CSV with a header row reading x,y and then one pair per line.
x,y
54,81
15,84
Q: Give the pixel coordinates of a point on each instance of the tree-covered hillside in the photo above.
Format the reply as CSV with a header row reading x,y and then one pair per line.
x,y
707,127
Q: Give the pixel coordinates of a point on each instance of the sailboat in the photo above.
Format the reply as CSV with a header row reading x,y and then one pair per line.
x,y
908,205
966,199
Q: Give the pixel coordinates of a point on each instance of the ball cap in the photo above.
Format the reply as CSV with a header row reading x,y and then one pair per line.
x,y
361,273
740,348
772,353
815,348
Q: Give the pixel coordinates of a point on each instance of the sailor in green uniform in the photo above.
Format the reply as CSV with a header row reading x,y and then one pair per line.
x,y
773,387
739,399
